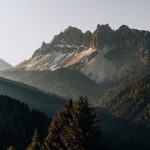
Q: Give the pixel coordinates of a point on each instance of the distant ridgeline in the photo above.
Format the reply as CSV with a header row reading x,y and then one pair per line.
x,y
75,47
33,97
95,59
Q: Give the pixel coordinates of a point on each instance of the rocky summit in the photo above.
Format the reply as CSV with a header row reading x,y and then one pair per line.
x,y
123,48
80,60
71,39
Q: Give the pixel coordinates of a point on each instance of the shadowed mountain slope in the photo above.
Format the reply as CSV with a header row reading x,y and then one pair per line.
x,y
35,98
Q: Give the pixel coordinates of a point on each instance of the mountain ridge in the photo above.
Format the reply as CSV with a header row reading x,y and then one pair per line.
x,y
4,65
130,103
33,97
75,35
73,43
104,56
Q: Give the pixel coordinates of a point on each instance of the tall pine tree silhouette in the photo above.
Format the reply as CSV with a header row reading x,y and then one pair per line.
x,y
35,143
10,148
74,128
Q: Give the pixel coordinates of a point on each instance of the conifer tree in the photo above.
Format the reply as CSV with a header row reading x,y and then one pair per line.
x,y
10,148
74,128
87,125
55,140
83,131
35,144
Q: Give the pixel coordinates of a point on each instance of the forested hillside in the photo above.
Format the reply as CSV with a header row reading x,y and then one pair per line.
x,y
18,122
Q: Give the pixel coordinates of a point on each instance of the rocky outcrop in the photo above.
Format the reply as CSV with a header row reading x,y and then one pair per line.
x,y
100,69
115,53
72,39
72,36
143,56
102,36
120,40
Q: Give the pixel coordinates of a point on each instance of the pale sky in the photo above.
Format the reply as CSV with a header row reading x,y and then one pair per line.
x,y
24,24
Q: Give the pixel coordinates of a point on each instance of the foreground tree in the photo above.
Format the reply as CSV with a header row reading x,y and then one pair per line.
x,y
10,148
74,128
87,125
35,144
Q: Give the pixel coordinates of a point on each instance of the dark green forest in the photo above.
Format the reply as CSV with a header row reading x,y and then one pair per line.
x,y
18,122
74,127
120,122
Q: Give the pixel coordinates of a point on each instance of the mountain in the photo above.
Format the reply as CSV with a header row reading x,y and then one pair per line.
x,y
36,99
18,122
70,40
4,65
100,69
125,116
75,50
104,56
109,66
104,39
63,82
59,51
131,103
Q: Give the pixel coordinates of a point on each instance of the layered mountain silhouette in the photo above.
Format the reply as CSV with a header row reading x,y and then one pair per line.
x,y
105,56
63,82
109,66
73,47
4,65
36,99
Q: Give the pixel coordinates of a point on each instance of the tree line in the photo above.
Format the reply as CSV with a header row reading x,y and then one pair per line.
x,y
75,127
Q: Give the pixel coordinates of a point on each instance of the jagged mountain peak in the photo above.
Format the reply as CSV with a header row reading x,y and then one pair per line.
x,y
102,28
98,27
71,39
72,36
44,45
124,27
74,49
105,27
71,29
102,36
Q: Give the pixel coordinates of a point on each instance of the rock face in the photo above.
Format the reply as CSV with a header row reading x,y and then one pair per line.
x,y
102,36
4,65
75,50
122,38
76,63
70,40
100,69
